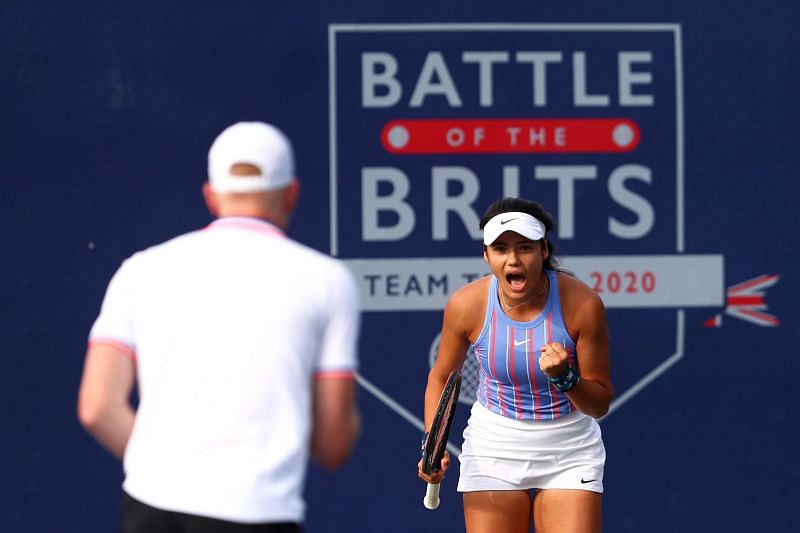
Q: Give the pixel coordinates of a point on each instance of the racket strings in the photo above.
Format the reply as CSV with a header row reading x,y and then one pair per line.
x,y
444,429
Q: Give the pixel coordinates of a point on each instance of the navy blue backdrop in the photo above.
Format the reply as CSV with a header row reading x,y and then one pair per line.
x,y
107,115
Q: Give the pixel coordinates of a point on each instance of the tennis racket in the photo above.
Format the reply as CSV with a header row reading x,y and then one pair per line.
x,y
436,442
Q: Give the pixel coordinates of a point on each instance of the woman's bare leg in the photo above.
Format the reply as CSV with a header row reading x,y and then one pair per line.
x,y
559,510
497,511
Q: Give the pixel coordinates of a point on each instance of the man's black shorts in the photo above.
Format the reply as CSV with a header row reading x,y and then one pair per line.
x,y
138,517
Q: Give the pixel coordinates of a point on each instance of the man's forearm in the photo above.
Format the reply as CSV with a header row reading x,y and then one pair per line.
x,y
111,427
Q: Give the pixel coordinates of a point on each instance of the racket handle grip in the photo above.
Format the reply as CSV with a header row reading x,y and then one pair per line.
x,y
431,500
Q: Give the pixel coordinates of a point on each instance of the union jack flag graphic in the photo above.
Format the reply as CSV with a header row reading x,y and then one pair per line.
x,y
745,301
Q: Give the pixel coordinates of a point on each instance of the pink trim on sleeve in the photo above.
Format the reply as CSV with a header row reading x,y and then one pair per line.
x,y
119,345
335,374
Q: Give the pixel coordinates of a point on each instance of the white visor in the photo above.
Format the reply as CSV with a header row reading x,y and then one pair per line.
x,y
522,223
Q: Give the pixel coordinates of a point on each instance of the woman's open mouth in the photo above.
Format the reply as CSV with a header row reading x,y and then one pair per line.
x,y
516,282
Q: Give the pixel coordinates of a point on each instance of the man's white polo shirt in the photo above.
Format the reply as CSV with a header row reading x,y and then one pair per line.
x,y
228,327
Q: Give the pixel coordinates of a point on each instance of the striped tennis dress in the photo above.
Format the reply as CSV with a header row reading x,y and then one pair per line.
x,y
523,433
510,381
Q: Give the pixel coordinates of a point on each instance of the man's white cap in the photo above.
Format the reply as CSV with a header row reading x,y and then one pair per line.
x,y
254,143
522,223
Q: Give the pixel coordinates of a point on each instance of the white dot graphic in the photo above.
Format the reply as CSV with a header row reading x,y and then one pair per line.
x,y
398,136
623,135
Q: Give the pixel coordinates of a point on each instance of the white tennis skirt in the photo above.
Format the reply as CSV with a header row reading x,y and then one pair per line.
x,y
502,453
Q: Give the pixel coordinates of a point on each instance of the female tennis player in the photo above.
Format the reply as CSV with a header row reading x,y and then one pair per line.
x,y
532,448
